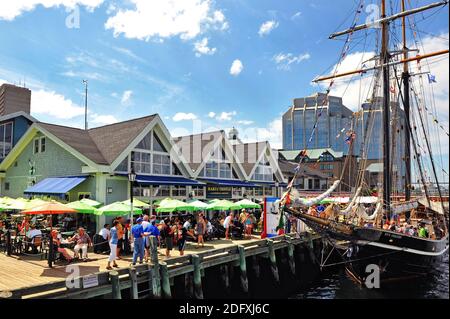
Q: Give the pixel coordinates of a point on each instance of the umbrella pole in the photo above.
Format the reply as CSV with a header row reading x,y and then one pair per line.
x,y
50,248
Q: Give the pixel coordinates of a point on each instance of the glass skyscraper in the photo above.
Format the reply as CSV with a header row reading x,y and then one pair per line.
x,y
298,123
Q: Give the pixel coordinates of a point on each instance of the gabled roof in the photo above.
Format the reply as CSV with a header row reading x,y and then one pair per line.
x,y
249,154
195,148
313,154
17,114
288,169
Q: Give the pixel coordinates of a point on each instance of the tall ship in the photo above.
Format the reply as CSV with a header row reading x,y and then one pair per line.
x,y
398,222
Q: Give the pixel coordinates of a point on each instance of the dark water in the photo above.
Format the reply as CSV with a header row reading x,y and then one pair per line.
x,y
336,285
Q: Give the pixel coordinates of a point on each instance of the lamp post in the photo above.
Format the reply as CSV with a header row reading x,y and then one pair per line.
x,y
131,179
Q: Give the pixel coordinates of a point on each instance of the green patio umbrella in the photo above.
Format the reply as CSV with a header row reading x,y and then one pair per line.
x,y
82,207
197,205
34,202
223,205
326,201
117,209
136,203
91,202
245,203
17,204
169,205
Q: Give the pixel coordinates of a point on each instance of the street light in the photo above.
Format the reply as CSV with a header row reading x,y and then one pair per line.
x,y
131,179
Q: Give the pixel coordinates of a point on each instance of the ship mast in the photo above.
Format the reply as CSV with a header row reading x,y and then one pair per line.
x,y
406,107
384,61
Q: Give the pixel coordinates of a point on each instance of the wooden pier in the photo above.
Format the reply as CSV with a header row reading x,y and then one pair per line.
x,y
232,264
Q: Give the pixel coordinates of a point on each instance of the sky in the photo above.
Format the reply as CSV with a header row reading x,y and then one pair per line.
x,y
201,64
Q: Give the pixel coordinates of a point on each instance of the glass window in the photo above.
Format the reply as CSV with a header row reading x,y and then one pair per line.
x,y
161,164
225,170
42,144
212,169
179,191
316,183
248,192
268,191
36,146
237,191
123,167
141,162
175,170
157,145
161,191
259,191
145,144
199,191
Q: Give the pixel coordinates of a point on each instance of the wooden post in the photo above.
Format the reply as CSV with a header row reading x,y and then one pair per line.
x,y
224,276
165,280
273,261
156,278
198,291
134,286
290,252
114,275
8,243
243,268
188,286
255,266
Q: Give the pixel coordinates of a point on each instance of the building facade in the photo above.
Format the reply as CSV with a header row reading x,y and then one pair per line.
x,y
298,123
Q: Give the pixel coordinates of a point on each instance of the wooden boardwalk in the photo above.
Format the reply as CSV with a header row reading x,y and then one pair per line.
x,y
18,272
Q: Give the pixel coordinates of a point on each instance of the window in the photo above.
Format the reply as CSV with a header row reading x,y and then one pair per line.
x,y
179,191
268,191
161,164
225,170
248,192
123,167
6,139
212,169
145,144
161,191
263,171
301,183
199,191
157,145
237,191
83,195
7,186
316,183
141,162
42,144
310,184
175,170
36,146
326,157
259,191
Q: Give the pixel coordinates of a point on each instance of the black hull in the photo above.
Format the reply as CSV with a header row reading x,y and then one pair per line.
x,y
398,255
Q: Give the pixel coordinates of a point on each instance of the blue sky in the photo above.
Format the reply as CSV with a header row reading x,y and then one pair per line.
x,y
137,64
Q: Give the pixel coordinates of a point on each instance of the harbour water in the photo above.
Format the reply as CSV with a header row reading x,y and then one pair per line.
x,y
336,285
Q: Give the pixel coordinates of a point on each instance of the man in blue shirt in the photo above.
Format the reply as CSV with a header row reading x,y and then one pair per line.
x,y
138,235
150,230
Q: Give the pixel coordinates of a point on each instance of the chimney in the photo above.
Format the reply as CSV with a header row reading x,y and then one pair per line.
x,y
14,99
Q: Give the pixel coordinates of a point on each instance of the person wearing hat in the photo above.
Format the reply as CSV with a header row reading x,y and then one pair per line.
x,y
138,234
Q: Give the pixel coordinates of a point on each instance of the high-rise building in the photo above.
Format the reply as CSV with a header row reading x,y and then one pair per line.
x,y
298,123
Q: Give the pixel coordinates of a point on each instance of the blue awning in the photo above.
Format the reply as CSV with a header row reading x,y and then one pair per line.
x,y
166,180
55,185
228,182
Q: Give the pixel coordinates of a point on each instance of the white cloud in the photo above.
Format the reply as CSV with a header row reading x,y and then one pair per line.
x,y
296,15
201,47
184,117
164,19
85,75
54,104
284,61
236,67
126,97
272,133
12,9
245,122
267,27
99,120
211,114
226,116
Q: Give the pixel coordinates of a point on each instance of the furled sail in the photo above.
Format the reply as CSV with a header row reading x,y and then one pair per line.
x,y
353,201
361,211
313,201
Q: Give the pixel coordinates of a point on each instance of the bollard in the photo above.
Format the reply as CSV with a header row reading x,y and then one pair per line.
x,y
114,275
156,278
165,280
6,295
290,251
273,261
255,266
243,268
134,286
198,291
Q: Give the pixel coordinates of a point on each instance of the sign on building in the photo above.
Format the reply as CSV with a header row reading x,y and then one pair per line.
x,y
219,192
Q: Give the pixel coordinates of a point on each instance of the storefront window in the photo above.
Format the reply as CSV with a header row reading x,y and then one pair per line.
x,y
179,191
199,191
237,191
161,191
259,192
268,191
248,192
